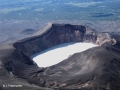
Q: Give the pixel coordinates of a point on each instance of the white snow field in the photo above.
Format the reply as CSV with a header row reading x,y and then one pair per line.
x,y
59,53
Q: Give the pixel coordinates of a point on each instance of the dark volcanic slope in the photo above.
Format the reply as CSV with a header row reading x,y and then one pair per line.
x,y
94,69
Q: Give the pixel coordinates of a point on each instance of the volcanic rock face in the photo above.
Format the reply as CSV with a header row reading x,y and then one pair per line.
x,y
94,69
56,35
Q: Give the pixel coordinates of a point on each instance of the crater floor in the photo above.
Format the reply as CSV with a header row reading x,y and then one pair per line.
x,y
59,53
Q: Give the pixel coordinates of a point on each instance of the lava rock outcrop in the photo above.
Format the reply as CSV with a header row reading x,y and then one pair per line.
x,y
97,68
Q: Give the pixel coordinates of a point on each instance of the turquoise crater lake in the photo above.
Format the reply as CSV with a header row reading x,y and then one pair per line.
x,y
59,53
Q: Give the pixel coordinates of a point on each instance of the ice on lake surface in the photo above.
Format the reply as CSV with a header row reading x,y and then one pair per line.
x,y
59,53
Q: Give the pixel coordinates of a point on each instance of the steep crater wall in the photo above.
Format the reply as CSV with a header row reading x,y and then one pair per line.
x,y
57,34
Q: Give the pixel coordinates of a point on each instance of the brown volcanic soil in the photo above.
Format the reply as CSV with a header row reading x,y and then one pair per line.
x,y
94,69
